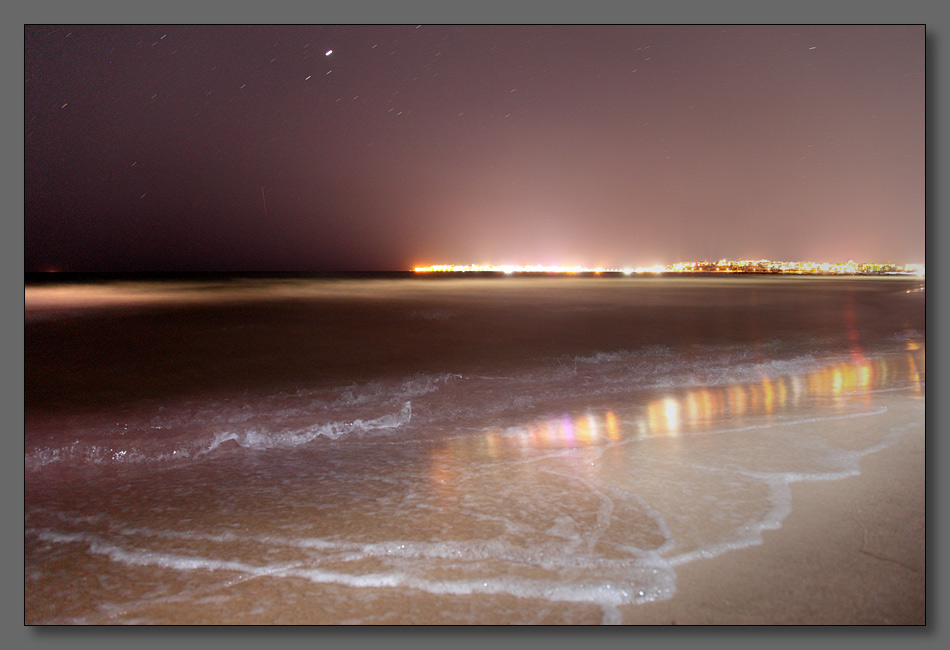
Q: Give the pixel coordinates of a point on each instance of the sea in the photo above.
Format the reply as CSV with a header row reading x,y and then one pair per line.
x,y
372,449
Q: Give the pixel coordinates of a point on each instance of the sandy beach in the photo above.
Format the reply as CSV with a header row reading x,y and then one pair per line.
x,y
777,478
479,326
852,552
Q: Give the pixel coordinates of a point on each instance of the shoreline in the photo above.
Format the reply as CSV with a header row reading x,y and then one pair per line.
x,y
850,552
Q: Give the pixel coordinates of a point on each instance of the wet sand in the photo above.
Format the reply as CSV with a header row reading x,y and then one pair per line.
x,y
532,493
852,552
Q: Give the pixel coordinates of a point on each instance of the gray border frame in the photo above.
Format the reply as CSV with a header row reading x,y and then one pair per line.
x,y
933,13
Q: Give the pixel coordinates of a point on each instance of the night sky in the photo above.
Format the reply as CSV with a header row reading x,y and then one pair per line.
x,y
327,148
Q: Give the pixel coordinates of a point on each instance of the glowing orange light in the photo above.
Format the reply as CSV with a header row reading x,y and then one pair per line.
x,y
865,374
664,416
722,266
593,427
672,411
768,395
613,431
584,434
737,399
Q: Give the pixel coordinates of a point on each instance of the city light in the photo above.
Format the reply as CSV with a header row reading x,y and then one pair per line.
x,y
721,266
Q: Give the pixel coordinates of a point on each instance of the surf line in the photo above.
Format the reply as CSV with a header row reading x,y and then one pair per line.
x,y
770,425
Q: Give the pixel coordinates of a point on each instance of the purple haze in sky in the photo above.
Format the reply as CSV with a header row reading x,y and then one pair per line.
x,y
233,148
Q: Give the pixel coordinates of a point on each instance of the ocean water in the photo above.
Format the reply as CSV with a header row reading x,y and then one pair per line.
x,y
398,449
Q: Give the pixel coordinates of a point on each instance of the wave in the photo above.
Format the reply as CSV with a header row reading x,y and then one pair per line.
x,y
251,437
406,409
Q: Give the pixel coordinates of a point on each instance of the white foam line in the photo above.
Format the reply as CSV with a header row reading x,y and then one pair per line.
x,y
596,591
253,439
607,594
781,498
898,389
604,510
351,551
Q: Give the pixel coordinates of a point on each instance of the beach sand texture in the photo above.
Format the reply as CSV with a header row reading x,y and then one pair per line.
x,y
767,480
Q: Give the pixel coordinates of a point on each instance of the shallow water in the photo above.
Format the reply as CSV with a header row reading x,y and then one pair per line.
x,y
473,450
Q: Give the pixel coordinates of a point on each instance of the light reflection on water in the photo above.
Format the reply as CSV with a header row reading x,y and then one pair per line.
x,y
692,410
554,508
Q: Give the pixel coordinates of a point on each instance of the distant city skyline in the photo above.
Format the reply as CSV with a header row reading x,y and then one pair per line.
x,y
850,267
338,148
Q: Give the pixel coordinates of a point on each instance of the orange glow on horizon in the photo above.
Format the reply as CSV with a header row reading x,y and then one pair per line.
x,y
721,266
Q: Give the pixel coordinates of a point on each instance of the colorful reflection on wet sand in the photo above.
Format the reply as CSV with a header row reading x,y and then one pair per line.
x,y
692,410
